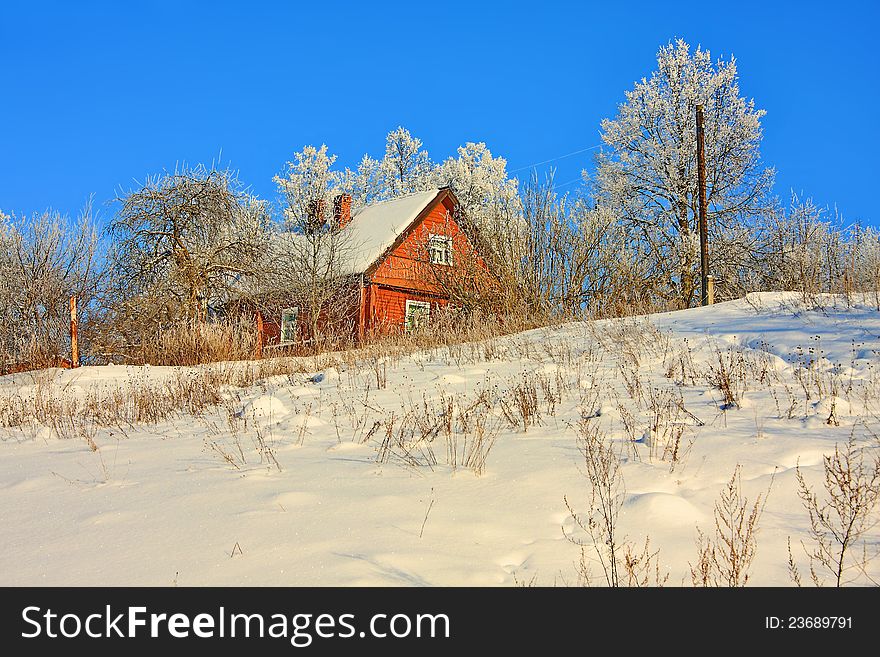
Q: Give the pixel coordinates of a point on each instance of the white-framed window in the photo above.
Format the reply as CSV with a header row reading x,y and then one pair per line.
x,y
440,249
288,324
417,314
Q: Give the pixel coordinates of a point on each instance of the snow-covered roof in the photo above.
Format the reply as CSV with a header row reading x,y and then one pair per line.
x,y
374,228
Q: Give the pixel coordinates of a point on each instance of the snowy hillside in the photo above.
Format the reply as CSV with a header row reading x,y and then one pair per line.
x,y
444,467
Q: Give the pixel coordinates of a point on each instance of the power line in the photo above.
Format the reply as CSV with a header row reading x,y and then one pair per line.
x,y
569,182
554,159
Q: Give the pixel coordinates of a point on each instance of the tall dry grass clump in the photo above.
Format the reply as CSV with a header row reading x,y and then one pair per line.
x,y
725,557
193,342
458,431
623,563
841,515
451,327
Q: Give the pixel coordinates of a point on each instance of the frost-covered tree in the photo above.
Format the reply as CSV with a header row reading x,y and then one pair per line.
x,y
648,175
810,249
796,248
480,180
482,186
864,256
7,233
406,167
364,184
182,242
307,186
490,203
44,260
572,255
309,261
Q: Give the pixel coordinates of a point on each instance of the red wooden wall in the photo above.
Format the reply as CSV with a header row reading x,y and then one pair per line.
x,y
388,307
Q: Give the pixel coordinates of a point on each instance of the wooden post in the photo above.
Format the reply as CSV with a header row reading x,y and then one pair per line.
x,y
372,318
74,346
258,350
704,237
711,289
362,313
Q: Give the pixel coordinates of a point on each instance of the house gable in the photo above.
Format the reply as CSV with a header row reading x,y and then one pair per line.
x,y
375,229
406,264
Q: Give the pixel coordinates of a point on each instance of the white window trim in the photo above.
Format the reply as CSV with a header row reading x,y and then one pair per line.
x,y
447,240
287,311
412,303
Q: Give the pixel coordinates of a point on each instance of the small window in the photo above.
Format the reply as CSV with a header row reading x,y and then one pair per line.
x,y
417,314
288,325
440,249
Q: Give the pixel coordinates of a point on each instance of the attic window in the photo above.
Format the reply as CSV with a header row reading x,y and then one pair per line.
x,y
288,324
440,249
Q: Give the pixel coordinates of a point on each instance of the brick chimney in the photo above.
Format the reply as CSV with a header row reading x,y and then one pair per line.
x,y
342,210
315,218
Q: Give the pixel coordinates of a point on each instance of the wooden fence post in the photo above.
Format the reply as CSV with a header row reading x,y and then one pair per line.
x,y
710,289
362,313
74,346
258,350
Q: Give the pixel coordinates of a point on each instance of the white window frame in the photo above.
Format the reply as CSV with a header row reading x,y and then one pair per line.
x,y
292,325
440,249
413,303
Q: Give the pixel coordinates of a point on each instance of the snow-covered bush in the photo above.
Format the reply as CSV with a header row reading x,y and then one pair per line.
x,y
44,260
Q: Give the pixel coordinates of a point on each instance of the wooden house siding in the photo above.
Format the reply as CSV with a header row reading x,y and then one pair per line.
x,y
406,265
388,313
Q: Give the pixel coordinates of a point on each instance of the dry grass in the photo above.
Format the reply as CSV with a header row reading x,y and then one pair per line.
x,y
460,428
230,437
197,343
841,516
629,369
138,400
727,373
30,354
725,557
623,562
462,337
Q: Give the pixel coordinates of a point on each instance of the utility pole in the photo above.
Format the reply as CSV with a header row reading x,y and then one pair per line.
x,y
704,235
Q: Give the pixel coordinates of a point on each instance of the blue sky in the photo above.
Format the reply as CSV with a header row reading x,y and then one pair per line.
x,y
97,95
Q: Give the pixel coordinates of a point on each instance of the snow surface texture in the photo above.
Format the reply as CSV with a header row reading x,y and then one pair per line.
x,y
195,500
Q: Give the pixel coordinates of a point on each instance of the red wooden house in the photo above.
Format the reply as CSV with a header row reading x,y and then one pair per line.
x,y
408,257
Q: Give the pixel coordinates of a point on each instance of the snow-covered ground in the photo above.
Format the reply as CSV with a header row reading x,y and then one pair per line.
x,y
324,477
